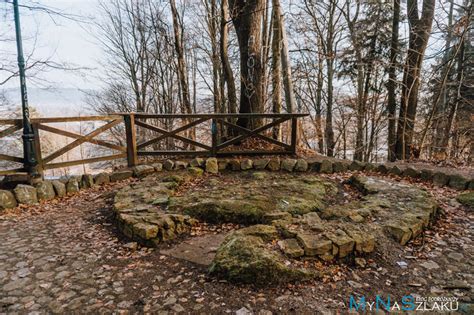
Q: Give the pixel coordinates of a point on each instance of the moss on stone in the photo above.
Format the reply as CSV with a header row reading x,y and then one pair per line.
x,y
245,259
466,199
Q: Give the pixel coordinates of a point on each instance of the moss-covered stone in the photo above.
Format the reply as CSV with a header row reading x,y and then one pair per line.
x,y
326,167
143,170
195,171
246,259
45,190
72,186
260,164
265,232
101,179
458,182
288,165
59,188
120,175
87,181
291,248
212,166
7,200
440,179
466,199
274,165
26,194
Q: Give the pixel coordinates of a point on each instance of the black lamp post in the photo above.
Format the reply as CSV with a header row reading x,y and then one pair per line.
x,y
30,161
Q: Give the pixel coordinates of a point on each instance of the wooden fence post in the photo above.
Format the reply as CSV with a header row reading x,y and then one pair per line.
x,y
294,134
132,157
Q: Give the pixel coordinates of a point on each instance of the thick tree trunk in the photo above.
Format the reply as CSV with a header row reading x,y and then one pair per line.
x,y
420,29
247,19
392,83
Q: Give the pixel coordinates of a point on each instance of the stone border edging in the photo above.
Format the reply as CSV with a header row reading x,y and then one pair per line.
x,y
47,190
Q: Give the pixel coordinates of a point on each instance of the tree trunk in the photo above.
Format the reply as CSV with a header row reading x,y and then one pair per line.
x,y
276,65
247,19
290,99
227,73
392,83
420,29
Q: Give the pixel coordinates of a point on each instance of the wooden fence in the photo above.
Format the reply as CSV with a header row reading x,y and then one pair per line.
x,y
144,135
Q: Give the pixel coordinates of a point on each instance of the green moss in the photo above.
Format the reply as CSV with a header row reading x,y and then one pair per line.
x,y
466,199
245,259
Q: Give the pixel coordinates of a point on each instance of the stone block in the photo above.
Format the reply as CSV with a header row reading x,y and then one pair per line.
x,y
234,165
59,188
301,165
339,166
45,190
223,165
120,175
212,166
291,248
357,166
101,179
26,194
440,179
87,181
7,200
260,164
382,168
168,165
143,170
197,162
195,171
314,244
158,167
458,182
288,165
395,170
180,165
400,232
145,231
246,164
273,216
411,172
426,174
344,244
326,167
274,165
72,186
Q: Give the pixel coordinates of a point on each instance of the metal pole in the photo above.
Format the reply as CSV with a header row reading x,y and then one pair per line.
x,y
30,161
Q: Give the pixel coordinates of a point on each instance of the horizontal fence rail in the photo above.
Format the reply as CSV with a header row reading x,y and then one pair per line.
x,y
145,134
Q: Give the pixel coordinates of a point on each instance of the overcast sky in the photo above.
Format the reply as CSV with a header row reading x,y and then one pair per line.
x,y
60,39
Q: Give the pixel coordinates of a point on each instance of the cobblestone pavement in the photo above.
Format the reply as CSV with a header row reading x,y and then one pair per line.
x,y
67,257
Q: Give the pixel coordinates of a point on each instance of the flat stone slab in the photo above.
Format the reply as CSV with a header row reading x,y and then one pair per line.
x,y
200,250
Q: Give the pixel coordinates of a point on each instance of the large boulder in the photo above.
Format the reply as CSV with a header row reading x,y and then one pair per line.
x,y
7,200
45,190
326,167
26,194
168,165
301,165
245,259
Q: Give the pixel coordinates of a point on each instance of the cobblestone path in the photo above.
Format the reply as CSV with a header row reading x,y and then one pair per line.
x,y
67,257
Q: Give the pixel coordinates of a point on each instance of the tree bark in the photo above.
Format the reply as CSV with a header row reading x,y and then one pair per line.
x,y
247,19
392,83
227,73
276,65
420,29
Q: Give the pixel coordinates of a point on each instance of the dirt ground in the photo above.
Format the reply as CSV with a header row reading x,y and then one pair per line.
x,y
67,256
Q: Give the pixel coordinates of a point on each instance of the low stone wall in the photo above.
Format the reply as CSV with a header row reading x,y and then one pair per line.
x,y
47,190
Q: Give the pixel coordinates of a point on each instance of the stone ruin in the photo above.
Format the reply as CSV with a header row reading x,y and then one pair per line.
x,y
288,218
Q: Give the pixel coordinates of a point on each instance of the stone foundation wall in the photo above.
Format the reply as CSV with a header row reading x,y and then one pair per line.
x,y
47,190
